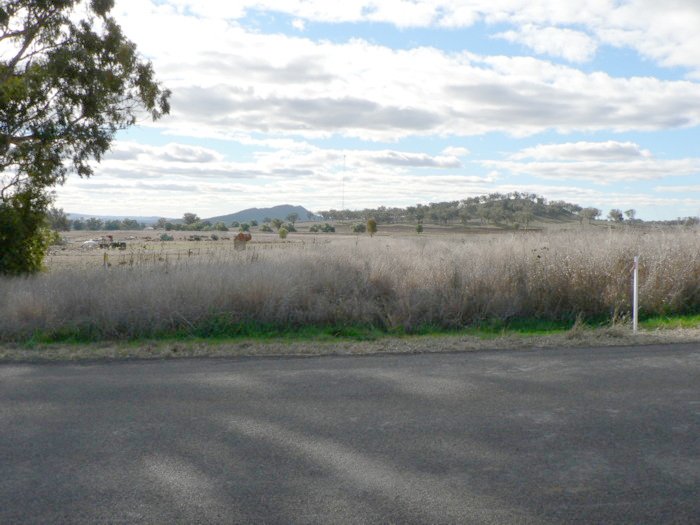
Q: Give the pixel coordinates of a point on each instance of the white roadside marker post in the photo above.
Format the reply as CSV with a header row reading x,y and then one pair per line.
x,y
635,295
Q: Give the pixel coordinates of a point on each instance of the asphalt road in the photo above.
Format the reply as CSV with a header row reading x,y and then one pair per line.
x,y
577,436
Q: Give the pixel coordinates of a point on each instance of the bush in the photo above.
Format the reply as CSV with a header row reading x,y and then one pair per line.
x,y
359,228
326,228
289,227
265,228
419,228
24,237
214,237
371,227
283,233
244,227
166,237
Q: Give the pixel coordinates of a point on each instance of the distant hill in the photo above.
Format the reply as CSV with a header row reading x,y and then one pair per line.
x,y
146,220
259,214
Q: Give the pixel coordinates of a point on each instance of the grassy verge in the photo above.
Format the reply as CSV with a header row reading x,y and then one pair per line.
x,y
259,340
216,331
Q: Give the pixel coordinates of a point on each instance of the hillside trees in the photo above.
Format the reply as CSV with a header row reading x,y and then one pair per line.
x,y
58,220
69,80
589,214
190,218
615,215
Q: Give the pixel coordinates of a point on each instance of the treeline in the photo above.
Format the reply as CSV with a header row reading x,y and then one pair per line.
x,y
494,208
59,221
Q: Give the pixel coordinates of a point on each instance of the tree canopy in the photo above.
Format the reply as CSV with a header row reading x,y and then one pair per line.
x,y
69,80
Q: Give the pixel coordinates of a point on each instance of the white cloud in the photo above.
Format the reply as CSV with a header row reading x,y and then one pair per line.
x,y
665,32
227,80
153,178
574,46
455,151
609,150
599,162
694,188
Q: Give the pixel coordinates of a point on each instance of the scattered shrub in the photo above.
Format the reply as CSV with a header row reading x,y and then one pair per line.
x,y
326,228
166,237
371,227
360,227
283,233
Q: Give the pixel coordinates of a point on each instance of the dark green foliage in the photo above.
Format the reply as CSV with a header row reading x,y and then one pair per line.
x,y
265,228
166,237
244,227
289,227
24,237
419,228
67,85
61,106
360,227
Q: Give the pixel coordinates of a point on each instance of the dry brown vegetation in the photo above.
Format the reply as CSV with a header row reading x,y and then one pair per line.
x,y
390,282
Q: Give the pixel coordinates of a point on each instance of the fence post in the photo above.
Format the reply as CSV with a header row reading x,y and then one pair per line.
x,y
635,295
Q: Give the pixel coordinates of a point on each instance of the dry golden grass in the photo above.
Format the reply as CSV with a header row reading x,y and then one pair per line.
x,y
389,282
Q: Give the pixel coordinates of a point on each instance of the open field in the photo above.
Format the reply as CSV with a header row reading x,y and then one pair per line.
x,y
397,283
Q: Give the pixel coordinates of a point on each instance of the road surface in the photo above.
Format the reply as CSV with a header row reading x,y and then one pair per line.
x,y
541,436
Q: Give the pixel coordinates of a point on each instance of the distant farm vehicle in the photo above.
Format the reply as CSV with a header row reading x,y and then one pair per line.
x,y
108,241
240,240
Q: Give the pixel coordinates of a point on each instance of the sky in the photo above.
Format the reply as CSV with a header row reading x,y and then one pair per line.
x,y
364,103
